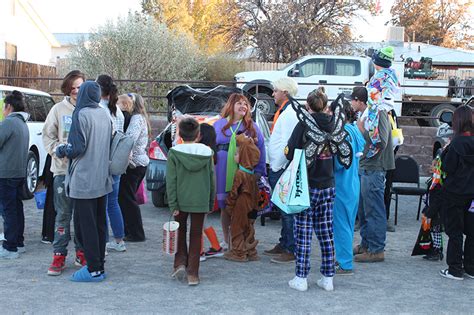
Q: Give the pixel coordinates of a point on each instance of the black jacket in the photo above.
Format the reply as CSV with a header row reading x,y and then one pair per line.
x,y
458,163
320,173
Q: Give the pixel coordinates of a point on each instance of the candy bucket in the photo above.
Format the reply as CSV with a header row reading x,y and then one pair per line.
x,y
170,237
40,198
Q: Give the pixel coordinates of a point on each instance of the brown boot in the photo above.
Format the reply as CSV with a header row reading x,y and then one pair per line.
x,y
369,257
275,251
284,258
359,249
230,256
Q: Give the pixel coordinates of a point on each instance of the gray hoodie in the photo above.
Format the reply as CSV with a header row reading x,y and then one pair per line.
x,y
14,141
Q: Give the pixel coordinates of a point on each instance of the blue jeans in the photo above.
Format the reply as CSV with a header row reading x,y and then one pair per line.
x,y
13,215
287,238
114,214
373,217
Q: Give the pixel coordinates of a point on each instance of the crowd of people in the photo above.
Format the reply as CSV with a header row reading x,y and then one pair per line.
x,y
77,135
221,167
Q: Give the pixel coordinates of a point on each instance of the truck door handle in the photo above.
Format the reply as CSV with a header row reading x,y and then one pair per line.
x,y
39,133
323,81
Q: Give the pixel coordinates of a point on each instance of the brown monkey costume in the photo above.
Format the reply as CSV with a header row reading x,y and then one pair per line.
x,y
241,203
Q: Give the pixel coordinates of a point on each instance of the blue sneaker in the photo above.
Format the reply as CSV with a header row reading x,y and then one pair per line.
x,y
6,254
83,275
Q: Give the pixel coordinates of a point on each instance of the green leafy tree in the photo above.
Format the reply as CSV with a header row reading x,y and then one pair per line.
x,y
139,48
445,23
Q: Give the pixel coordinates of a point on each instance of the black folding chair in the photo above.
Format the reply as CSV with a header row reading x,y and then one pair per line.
x,y
407,172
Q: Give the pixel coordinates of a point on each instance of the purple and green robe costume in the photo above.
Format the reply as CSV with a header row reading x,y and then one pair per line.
x,y
222,141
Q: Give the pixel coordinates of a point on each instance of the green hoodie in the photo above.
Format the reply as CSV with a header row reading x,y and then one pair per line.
x,y
190,178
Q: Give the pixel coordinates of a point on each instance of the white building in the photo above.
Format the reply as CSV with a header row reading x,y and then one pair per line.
x,y
23,35
67,41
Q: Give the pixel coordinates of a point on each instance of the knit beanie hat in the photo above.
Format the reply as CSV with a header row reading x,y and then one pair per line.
x,y
383,57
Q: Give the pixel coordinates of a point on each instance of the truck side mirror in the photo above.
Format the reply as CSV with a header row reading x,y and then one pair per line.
x,y
294,72
446,117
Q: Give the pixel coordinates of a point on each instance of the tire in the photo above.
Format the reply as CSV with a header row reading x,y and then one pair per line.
x,y
32,169
159,199
266,104
437,111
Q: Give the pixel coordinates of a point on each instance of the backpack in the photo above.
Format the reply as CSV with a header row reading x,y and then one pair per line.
x,y
120,149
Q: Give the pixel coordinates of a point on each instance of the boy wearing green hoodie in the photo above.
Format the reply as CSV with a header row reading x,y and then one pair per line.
x,y
191,192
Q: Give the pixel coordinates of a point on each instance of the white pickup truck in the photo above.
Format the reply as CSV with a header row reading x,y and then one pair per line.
x,y
418,97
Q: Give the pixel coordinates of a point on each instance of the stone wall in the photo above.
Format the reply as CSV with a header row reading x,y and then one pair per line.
x,y
419,145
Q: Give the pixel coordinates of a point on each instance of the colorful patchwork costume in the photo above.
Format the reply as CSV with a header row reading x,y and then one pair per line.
x,y
382,88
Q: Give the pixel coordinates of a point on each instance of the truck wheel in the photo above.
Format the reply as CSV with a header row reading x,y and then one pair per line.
x,y
31,182
266,104
158,199
437,111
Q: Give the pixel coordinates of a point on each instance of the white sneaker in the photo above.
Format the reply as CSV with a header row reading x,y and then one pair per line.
x,y
21,250
325,283
202,258
297,283
6,254
2,237
445,273
118,247
224,245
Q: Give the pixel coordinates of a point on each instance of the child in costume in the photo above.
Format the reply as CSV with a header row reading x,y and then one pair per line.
x,y
208,137
242,202
382,88
433,212
323,139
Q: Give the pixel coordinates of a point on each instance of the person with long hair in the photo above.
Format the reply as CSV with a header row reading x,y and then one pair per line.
x,y
108,101
139,130
14,140
55,132
457,161
235,119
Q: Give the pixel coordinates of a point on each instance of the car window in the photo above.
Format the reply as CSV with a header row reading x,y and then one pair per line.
x,y
313,67
344,67
36,108
48,103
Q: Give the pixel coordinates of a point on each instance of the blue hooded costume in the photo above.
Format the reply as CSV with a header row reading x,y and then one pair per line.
x,y
347,200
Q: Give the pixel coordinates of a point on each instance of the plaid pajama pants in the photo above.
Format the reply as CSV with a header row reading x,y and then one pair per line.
x,y
437,236
319,217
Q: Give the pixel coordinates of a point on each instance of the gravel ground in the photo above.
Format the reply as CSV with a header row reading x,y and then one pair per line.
x,y
139,279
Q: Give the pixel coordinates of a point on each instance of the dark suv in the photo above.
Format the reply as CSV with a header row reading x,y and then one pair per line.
x,y
204,105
